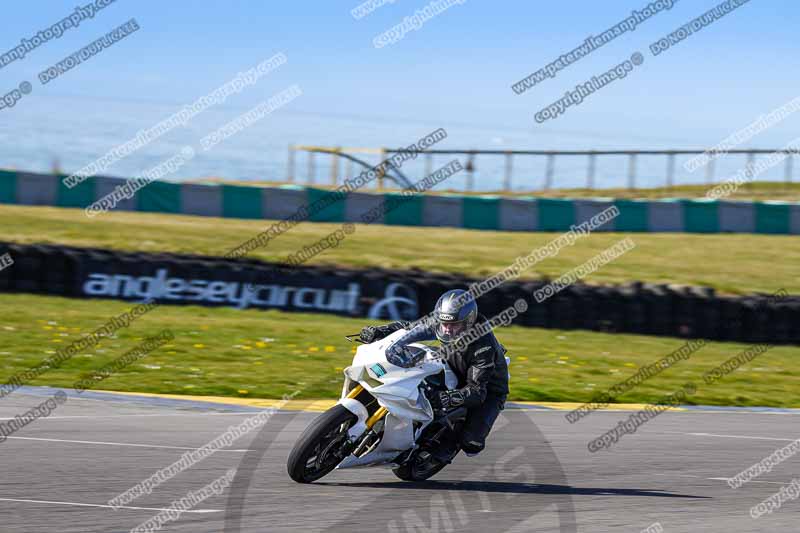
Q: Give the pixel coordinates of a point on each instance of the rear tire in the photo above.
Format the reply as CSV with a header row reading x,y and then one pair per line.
x,y
420,467
318,445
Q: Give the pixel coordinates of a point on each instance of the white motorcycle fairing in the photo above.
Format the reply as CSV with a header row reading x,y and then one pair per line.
x,y
395,388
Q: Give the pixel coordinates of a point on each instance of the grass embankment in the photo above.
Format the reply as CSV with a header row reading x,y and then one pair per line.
x,y
251,353
730,263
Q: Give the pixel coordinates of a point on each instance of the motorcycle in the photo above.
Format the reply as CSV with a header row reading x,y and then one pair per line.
x,y
384,417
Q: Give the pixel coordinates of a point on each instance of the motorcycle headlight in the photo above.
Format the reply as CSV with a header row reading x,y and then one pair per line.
x,y
372,374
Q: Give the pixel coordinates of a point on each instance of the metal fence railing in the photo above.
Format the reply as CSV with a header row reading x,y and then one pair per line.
x,y
510,157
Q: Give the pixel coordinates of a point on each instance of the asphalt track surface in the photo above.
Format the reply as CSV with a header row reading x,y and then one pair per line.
x,y
537,474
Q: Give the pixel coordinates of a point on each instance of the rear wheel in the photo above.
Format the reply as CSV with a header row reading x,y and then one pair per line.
x,y
421,466
319,449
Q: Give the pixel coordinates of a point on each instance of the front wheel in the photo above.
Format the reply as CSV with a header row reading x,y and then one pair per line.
x,y
319,449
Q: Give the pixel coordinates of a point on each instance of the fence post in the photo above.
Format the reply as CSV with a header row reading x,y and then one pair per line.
x,y
335,165
507,180
548,175
312,169
428,164
710,172
788,171
590,173
750,164
290,165
670,170
380,172
471,172
348,169
631,171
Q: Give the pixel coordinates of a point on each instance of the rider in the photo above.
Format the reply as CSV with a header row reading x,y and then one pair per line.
x,y
479,365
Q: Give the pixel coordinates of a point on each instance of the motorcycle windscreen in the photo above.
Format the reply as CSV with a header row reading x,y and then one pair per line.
x,y
405,356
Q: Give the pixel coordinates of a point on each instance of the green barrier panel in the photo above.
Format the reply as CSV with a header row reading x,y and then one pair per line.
x,y
772,218
555,214
81,195
241,202
632,216
333,206
8,187
481,212
159,197
700,216
403,210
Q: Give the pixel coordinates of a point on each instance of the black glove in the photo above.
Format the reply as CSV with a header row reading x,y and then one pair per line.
x,y
446,400
368,334
439,400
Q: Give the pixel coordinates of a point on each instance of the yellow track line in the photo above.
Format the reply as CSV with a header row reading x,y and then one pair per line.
x,y
322,405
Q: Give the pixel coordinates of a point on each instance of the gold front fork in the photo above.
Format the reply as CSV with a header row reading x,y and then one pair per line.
x,y
380,413
355,392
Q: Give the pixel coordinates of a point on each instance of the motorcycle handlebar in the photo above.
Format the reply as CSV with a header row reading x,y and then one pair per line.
x,y
356,337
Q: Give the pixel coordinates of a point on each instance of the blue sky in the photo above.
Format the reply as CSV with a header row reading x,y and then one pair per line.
x,y
456,69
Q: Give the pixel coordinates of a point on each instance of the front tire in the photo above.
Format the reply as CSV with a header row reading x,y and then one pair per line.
x,y
317,452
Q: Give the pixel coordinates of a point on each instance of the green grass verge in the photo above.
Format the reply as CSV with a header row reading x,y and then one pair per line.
x,y
730,263
250,353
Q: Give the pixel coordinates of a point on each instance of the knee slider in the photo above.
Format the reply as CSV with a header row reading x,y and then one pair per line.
x,y
472,446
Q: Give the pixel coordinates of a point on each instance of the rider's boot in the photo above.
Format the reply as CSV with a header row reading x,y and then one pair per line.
x,y
447,451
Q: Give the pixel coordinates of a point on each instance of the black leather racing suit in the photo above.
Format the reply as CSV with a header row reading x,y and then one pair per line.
x,y
482,374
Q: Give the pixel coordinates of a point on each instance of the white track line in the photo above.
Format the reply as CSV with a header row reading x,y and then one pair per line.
x,y
119,444
725,479
106,506
738,437
245,413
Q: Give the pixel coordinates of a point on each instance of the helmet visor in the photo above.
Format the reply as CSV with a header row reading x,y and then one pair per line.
x,y
449,331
